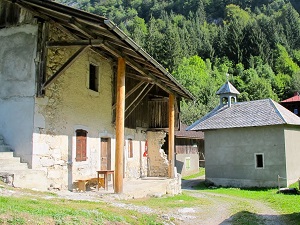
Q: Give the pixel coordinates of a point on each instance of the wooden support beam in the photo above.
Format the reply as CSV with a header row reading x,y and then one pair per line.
x,y
131,92
136,67
128,114
171,150
120,114
138,77
77,26
43,35
137,97
65,66
72,43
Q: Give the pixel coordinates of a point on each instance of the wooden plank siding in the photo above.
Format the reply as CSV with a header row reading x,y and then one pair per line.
x,y
188,146
152,111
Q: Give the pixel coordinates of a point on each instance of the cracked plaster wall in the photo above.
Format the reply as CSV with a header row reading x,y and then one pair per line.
x,y
157,159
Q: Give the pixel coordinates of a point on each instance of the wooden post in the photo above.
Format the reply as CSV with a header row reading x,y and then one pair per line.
x,y
120,115
171,135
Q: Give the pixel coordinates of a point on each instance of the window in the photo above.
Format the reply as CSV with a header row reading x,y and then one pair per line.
x,y
187,163
259,160
130,148
81,145
93,78
296,111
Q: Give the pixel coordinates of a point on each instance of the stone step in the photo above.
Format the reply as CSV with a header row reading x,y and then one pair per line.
x,y
6,155
12,164
31,179
10,161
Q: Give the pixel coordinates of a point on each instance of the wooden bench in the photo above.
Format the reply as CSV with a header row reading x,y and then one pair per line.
x,y
82,183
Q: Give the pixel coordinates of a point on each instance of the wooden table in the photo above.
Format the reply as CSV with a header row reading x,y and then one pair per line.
x,y
105,173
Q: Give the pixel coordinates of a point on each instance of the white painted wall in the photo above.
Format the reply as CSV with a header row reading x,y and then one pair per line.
x,y
17,79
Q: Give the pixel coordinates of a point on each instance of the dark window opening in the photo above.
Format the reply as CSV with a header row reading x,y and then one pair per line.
x,y
81,145
93,79
259,161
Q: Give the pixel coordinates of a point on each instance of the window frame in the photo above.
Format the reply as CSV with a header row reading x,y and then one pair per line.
x,y
96,84
262,160
187,163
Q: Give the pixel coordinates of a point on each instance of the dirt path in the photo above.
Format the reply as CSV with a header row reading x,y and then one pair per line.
x,y
222,209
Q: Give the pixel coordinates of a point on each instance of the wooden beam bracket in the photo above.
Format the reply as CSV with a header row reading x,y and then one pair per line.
x,y
64,67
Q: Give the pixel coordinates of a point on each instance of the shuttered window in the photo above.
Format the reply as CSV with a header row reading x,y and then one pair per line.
x,y
81,145
130,148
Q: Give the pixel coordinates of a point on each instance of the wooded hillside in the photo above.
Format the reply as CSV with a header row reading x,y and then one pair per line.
x,y
257,42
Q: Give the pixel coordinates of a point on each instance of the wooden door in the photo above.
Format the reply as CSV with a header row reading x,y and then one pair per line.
x,y
105,154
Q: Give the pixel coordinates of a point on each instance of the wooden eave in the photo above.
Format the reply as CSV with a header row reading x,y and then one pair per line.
x,y
85,27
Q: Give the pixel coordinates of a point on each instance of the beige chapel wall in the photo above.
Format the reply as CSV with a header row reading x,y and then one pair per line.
x,y
230,156
292,142
69,105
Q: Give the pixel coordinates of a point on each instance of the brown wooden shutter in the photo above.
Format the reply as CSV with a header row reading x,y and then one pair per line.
x,y
81,145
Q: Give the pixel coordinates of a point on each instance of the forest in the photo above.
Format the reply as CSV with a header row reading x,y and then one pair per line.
x,y
253,43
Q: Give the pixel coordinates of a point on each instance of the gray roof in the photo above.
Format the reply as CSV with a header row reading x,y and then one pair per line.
x,y
227,88
264,112
183,133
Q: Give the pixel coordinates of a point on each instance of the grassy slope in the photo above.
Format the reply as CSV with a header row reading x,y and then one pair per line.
x,y
36,208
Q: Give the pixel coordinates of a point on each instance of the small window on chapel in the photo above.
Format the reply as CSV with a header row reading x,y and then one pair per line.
x,y
259,161
94,78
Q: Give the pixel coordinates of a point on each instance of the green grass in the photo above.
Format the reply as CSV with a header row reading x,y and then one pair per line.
x,y
287,205
25,210
199,174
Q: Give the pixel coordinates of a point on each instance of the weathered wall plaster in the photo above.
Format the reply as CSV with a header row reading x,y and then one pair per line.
x,y
136,166
157,159
69,105
17,78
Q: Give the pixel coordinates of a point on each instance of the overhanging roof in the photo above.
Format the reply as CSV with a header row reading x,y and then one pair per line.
x,y
111,42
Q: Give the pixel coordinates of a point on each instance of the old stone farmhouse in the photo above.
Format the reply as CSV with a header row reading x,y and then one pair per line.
x,y
77,96
250,144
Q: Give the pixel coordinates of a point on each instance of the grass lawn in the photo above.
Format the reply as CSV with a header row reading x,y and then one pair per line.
x,y
44,209
287,205
199,174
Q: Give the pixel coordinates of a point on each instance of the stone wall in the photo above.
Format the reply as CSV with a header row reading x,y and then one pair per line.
x,y
157,159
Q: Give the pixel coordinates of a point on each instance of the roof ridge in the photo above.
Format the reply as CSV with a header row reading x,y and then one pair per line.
x,y
277,110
